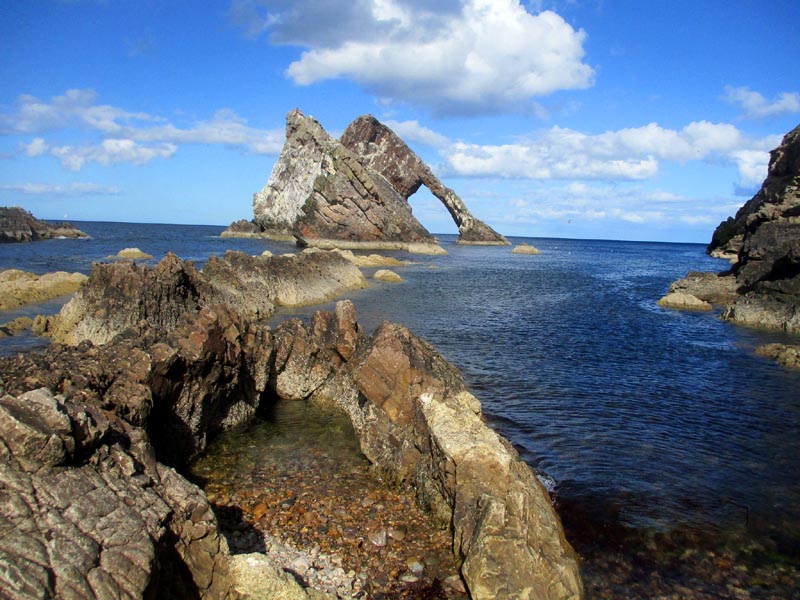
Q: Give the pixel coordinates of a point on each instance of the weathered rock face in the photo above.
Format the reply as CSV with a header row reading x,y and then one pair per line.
x,y
320,190
776,201
763,286
88,513
353,192
122,295
380,149
18,225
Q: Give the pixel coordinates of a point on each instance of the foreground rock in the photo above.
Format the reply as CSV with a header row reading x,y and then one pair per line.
x,y
762,288
18,225
419,425
154,394
788,356
88,512
18,288
380,149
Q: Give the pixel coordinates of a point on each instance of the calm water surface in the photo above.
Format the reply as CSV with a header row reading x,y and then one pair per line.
x,y
653,419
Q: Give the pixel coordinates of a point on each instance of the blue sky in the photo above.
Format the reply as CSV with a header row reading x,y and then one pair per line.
x,y
565,118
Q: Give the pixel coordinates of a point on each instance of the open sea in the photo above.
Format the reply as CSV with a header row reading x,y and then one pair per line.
x,y
668,444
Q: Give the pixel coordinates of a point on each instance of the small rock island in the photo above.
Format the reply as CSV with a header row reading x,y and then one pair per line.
x,y
18,225
352,192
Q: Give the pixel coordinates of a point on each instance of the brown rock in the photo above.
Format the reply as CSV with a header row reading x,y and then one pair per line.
x,y
380,149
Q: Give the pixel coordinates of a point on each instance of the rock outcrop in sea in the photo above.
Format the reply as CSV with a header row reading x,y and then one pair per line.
x,y
18,225
123,295
91,436
762,287
382,150
352,192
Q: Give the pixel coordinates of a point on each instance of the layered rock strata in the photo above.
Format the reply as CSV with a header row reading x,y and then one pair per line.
x,y
352,192
122,295
382,150
762,288
18,225
320,191
95,455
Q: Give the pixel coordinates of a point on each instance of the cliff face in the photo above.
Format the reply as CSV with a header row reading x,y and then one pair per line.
x,y
777,202
18,225
763,241
355,190
319,190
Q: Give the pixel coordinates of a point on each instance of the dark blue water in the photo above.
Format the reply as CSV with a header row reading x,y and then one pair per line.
x,y
666,420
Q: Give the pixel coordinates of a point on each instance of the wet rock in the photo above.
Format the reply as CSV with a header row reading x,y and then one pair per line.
x,y
387,276
131,254
377,537
787,355
524,248
706,289
242,229
417,422
18,288
684,301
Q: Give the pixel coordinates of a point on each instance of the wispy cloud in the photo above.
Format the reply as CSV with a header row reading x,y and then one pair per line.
x,y
579,202
476,56
122,136
756,106
62,189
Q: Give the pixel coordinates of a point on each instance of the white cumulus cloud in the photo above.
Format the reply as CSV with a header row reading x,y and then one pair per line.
x,y
625,154
474,56
755,106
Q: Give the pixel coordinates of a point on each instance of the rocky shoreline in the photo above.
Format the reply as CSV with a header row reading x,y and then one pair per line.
x,y
762,287
95,435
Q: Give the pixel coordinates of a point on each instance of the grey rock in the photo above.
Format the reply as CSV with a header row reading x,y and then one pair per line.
x,y
354,192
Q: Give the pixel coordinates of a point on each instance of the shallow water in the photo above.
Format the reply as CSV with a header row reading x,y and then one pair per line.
x,y
658,428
